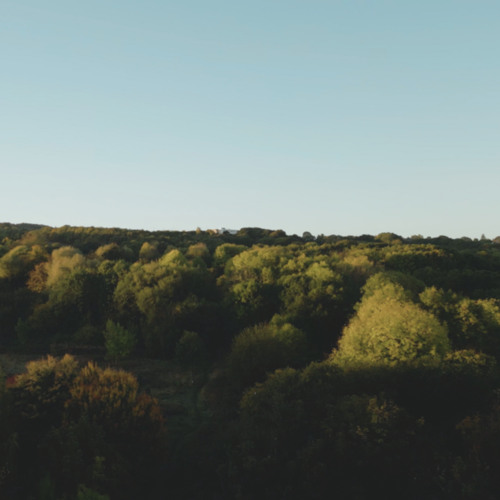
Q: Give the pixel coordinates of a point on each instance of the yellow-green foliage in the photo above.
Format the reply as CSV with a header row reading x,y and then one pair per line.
x,y
174,258
56,370
38,278
227,251
18,261
62,262
259,263
388,329
112,251
107,396
469,362
148,251
393,284
472,323
357,262
409,258
479,319
199,250
43,389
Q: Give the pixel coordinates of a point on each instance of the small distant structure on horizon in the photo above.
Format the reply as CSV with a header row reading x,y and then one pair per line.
x,y
223,230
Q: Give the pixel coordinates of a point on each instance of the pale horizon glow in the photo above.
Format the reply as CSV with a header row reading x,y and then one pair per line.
x,y
333,117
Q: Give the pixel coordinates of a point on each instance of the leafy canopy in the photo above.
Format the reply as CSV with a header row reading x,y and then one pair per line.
x,y
388,329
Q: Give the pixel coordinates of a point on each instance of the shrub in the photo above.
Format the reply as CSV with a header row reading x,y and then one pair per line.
x,y
119,341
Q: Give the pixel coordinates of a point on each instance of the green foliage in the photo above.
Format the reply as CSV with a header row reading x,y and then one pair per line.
x,y
8,438
113,251
358,263
418,356
163,298
199,252
469,363
118,341
18,261
473,324
85,493
38,276
264,348
190,350
300,437
389,238
393,284
413,258
299,283
80,298
92,426
223,253
251,280
389,330
46,490
314,297
173,258
41,392
474,470
62,262
148,252
477,324
111,398
436,300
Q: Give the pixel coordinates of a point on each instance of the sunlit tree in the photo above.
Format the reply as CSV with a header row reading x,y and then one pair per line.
x,y
388,329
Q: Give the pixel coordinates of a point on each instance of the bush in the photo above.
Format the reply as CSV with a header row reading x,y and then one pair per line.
x,y
264,348
119,341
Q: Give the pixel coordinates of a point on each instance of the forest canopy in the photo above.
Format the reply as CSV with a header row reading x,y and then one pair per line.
x,y
257,364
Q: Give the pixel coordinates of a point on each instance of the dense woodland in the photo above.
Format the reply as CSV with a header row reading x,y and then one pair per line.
x,y
257,365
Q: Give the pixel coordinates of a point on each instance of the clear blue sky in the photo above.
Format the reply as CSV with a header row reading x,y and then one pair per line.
x,y
334,117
